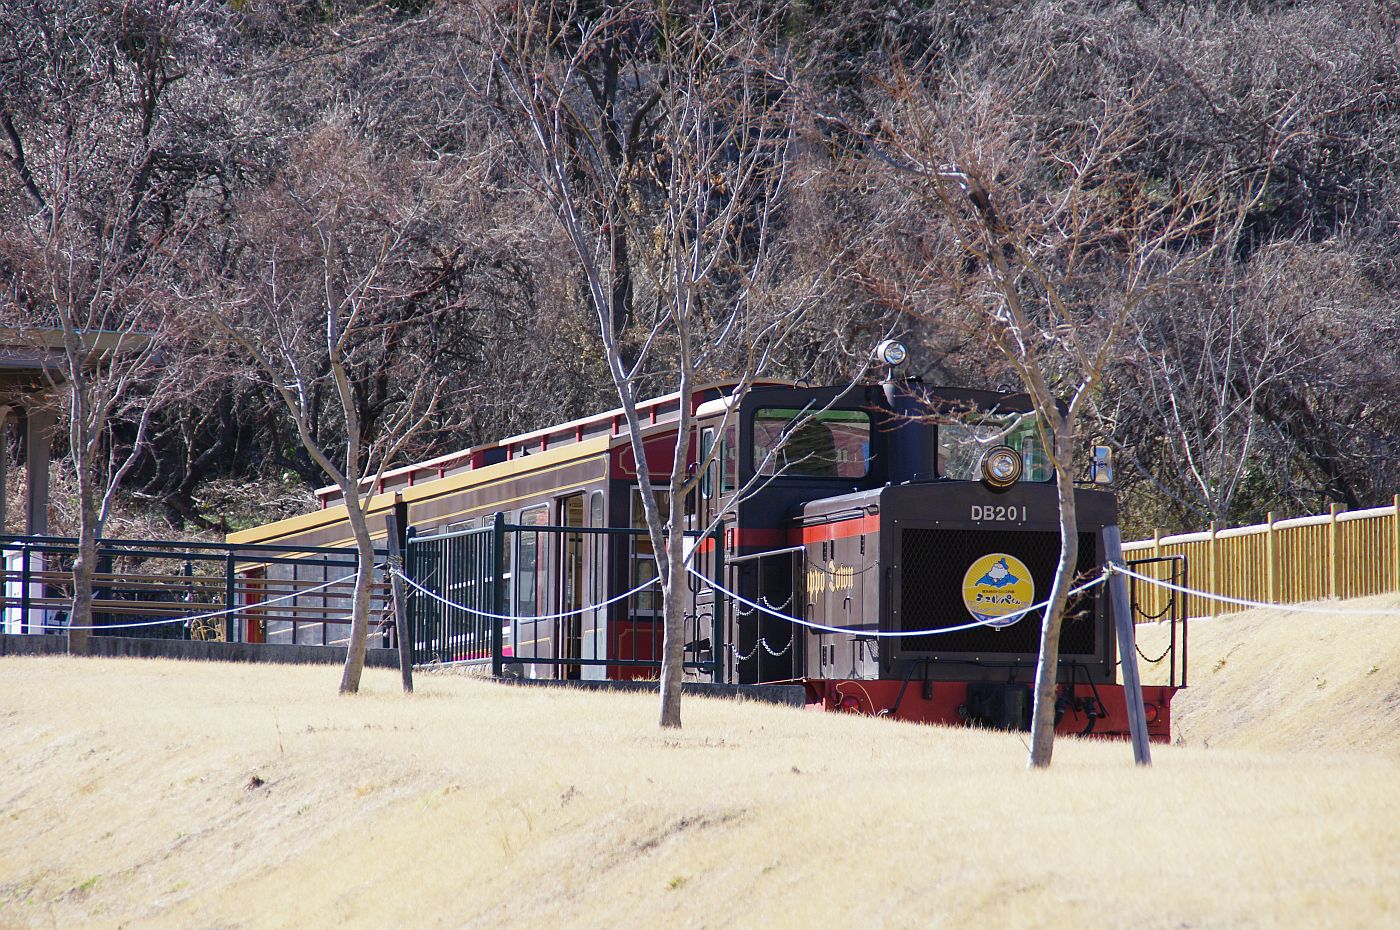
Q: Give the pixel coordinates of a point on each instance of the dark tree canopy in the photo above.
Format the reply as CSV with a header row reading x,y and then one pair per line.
x,y
183,144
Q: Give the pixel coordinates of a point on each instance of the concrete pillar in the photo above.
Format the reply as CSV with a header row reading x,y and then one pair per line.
x,y
38,444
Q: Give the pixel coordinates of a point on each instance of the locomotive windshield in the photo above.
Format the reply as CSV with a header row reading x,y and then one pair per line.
x,y
825,444
961,445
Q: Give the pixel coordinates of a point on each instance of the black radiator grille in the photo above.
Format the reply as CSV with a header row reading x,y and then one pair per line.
x,y
932,565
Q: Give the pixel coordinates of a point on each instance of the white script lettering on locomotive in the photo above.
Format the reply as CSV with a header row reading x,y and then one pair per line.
x,y
982,513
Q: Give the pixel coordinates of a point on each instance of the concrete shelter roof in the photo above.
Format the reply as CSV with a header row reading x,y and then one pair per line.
x,y
31,359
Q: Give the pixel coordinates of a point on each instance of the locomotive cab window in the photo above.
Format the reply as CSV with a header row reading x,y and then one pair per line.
x,y
962,445
828,444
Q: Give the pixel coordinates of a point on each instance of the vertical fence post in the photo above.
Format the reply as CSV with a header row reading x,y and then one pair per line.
x,y
1213,567
498,590
1155,595
717,608
402,631
1333,562
25,626
1271,554
228,596
1127,647
1395,552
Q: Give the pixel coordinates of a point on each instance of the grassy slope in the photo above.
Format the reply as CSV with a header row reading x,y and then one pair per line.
x,y
125,802
1270,680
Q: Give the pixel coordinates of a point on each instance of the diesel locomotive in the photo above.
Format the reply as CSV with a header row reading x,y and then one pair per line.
x,y
897,509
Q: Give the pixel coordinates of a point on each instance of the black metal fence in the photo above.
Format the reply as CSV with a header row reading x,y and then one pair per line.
x,y
450,595
563,602
185,590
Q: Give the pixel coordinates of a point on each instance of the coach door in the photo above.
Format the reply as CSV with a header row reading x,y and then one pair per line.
x,y
572,512
596,546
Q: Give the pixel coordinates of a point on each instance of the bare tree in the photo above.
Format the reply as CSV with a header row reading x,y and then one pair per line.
x,y
1201,373
99,225
328,301
1049,248
669,186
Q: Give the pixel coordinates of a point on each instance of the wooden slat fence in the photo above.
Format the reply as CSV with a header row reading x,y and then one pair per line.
x,y
1340,554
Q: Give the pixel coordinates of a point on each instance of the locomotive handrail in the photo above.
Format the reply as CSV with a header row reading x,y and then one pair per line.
x,y
763,555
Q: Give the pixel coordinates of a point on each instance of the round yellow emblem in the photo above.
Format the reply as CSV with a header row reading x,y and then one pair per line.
x,y
997,585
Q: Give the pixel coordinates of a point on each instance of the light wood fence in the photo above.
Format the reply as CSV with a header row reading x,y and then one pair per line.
x,y
1336,555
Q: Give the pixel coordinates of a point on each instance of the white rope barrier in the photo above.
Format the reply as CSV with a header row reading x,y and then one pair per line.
x,y
1245,602
182,620
1002,621
494,616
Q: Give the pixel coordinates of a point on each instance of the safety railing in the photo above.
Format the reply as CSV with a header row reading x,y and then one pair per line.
x,y
537,601
185,590
1163,603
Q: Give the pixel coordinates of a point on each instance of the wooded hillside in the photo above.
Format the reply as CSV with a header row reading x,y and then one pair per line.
x,y
193,169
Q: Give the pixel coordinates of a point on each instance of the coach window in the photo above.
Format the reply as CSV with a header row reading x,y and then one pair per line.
x,y
598,547
644,569
528,562
508,630
573,511
828,444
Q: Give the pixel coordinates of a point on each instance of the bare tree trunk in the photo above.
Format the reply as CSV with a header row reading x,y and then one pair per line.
x,y
680,202
676,586
80,613
673,643
1046,670
360,602
80,445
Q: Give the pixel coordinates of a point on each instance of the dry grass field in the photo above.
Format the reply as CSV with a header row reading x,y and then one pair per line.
x,y
161,794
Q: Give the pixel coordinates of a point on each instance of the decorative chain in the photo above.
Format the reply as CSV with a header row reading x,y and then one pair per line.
x,y
1144,657
1171,602
766,648
769,649
740,611
742,658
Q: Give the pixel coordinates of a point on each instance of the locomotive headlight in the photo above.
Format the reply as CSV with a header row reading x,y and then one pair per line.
x,y
891,352
1001,467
